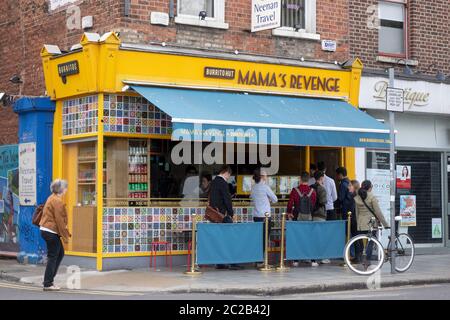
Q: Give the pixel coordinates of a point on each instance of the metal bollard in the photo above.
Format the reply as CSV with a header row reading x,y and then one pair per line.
x,y
282,267
349,224
193,271
266,249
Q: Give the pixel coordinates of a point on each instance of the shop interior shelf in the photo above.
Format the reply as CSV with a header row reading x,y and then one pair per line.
x,y
87,161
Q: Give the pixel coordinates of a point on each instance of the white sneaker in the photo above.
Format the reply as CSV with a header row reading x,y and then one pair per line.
x,y
314,264
326,261
52,288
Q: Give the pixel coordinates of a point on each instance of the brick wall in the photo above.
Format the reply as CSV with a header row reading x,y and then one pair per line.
x,y
428,36
29,24
26,25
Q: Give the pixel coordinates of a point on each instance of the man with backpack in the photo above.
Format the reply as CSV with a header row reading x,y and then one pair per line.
x,y
319,212
302,200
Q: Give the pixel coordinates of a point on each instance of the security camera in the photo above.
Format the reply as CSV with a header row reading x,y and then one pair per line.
x,y
16,79
203,15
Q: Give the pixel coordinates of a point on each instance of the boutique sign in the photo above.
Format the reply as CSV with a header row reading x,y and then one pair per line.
x,y
266,14
419,96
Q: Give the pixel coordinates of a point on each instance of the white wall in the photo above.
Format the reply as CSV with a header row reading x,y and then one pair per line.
x,y
419,130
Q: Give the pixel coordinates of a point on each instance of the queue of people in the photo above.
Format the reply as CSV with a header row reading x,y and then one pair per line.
x,y
313,199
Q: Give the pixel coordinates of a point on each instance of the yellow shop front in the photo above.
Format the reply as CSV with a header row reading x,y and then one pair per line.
x,y
122,109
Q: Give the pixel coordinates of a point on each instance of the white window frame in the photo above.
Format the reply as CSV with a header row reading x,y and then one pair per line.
x,y
310,25
217,22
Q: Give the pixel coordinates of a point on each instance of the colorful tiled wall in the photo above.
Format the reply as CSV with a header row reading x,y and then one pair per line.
x,y
134,115
80,115
134,229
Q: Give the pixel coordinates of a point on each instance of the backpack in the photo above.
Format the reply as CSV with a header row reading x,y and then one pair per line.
x,y
37,215
304,204
317,205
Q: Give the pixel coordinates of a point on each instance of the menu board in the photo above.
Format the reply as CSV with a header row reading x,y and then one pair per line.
x,y
247,184
278,184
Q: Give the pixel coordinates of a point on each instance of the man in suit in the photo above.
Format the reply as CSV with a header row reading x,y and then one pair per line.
x,y
219,195
220,198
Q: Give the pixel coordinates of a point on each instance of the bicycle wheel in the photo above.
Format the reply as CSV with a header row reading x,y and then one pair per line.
x,y
365,264
404,252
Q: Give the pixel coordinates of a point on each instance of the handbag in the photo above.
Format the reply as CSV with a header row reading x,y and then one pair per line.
x,y
37,215
213,214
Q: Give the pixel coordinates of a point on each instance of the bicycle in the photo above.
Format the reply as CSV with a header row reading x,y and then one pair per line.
x,y
369,263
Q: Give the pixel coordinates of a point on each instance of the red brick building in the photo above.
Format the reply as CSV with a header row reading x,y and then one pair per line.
x,y
384,32
412,36
28,24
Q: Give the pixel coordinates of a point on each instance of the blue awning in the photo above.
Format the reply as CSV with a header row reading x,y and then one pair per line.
x,y
201,114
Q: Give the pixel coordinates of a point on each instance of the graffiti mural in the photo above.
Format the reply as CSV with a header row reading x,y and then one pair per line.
x,y
9,199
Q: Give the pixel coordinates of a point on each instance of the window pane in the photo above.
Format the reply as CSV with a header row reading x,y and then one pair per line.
x,y
293,14
391,32
193,7
391,40
391,11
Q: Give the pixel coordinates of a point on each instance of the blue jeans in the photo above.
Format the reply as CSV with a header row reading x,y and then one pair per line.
x,y
360,246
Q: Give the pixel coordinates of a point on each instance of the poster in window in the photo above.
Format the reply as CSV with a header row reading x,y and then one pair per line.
x,y
273,183
378,173
436,228
403,177
284,185
408,211
247,183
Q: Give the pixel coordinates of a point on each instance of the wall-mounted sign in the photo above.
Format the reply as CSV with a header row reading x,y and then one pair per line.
x,y
266,14
27,174
276,80
68,69
419,96
219,73
329,45
159,18
394,100
408,210
403,177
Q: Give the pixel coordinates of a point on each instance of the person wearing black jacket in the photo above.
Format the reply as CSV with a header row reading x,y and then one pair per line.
x,y
219,194
220,198
345,197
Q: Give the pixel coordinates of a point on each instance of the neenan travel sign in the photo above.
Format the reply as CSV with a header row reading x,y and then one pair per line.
x,y
266,14
27,174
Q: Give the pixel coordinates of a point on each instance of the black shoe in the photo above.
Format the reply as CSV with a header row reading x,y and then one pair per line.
x,y
222,267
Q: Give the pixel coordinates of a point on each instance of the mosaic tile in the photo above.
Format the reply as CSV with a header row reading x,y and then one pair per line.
x,y
80,115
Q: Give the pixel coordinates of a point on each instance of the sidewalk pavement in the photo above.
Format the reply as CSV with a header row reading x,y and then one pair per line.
x,y
426,269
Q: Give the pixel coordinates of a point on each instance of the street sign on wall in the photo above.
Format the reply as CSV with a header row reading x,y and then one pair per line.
x,y
266,14
27,174
394,100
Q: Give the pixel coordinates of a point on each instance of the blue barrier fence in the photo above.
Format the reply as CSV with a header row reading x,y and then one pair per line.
x,y
315,240
226,243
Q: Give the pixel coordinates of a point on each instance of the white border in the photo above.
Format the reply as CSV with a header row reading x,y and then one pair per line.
x,y
277,125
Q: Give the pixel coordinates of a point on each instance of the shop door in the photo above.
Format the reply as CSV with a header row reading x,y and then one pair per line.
x,y
329,156
447,223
